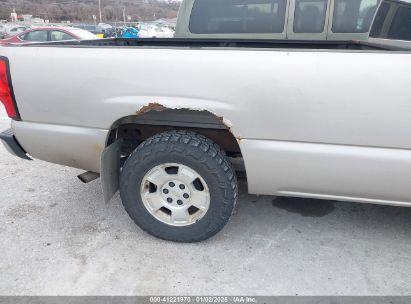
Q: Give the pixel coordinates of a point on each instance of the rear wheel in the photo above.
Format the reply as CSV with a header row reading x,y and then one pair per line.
x,y
179,186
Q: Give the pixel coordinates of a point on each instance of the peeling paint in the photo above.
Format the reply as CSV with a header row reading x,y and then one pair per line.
x,y
154,106
158,107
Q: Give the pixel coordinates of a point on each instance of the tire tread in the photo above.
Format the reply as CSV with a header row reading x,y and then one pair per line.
x,y
201,149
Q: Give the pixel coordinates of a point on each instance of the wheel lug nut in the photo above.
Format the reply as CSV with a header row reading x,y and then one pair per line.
x,y
171,184
182,187
185,195
179,202
165,191
169,199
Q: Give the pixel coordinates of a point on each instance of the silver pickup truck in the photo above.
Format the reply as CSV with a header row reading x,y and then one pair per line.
x,y
171,122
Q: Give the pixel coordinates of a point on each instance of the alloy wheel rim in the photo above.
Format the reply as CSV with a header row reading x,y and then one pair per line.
x,y
175,194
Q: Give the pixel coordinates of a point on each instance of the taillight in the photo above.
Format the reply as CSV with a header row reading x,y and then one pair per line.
x,y
6,91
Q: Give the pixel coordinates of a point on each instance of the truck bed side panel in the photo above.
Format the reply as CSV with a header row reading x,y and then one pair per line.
x,y
335,97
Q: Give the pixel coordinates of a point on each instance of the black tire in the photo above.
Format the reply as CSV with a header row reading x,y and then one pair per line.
x,y
196,152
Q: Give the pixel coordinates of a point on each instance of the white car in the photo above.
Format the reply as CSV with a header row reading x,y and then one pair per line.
x,y
12,30
155,32
105,26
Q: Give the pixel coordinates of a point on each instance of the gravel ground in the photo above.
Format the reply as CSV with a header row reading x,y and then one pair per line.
x,y
58,237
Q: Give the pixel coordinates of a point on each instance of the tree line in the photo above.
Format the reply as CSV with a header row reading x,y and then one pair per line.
x,y
83,10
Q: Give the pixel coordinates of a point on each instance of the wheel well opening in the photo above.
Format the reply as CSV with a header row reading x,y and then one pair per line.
x,y
134,134
138,128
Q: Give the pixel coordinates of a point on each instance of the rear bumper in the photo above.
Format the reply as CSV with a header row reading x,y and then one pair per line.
x,y
11,144
78,147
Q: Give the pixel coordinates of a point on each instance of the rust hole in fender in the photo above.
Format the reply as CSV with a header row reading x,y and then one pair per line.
x,y
155,118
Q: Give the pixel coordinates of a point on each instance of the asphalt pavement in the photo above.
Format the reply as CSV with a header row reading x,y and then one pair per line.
x,y
58,237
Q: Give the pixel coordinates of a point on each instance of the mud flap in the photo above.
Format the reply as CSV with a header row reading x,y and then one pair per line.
x,y
110,169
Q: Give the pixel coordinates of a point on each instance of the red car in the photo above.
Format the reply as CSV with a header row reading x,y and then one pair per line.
x,y
48,34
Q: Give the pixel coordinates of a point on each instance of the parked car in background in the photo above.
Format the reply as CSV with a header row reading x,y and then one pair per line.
x,y
105,26
129,32
276,19
152,31
48,34
113,32
392,24
11,30
95,29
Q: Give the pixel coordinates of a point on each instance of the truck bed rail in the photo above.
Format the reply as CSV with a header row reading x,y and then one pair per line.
x,y
226,43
